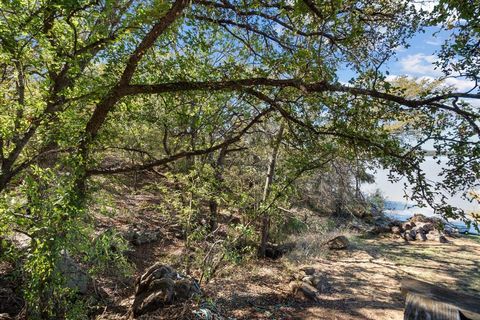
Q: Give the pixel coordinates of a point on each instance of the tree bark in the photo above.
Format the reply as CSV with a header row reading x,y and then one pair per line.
x,y
213,204
266,191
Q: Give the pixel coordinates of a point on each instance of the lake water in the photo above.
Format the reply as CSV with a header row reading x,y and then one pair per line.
x,y
397,205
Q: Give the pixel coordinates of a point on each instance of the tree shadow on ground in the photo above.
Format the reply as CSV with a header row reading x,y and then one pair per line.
x,y
449,264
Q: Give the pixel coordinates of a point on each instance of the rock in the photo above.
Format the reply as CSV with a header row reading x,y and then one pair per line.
x,y
422,235
425,226
413,233
432,236
442,239
309,291
319,282
138,237
309,279
19,240
308,271
5,316
434,222
76,278
410,235
161,286
397,230
322,284
338,243
408,225
304,290
451,231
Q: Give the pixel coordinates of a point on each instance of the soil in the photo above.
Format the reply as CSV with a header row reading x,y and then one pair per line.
x,y
361,282
364,281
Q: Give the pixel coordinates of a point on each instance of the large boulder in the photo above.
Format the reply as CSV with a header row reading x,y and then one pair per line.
x,y
435,221
382,224
408,225
139,236
410,235
75,277
338,243
161,286
425,226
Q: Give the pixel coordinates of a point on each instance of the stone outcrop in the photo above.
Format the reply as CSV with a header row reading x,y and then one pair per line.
x,y
138,236
161,286
338,243
421,227
309,284
418,217
76,278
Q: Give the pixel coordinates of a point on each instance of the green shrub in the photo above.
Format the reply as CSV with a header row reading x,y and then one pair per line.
x,y
47,207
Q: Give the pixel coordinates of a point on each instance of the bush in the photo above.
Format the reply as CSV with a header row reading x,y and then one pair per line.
x,y
47,207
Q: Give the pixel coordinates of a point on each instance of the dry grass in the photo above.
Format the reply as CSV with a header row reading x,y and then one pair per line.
x,y
364,280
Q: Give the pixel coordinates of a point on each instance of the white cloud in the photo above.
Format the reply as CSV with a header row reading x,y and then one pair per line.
x,y
425,5
419,64
461,85
434,42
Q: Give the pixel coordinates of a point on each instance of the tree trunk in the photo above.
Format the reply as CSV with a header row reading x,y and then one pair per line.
x,y
213,204
266,191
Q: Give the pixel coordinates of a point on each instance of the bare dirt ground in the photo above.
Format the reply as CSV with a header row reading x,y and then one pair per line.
x,y
364,281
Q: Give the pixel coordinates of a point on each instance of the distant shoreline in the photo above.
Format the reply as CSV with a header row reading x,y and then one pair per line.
x,y
402,212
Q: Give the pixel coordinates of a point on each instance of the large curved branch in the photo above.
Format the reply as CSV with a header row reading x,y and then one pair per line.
x,y
355,138
314,87
103,108
270,17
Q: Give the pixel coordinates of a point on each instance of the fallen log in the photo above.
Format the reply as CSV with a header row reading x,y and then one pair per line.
x,y
427,301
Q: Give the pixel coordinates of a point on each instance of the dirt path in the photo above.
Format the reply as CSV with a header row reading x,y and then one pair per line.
x,y
363,282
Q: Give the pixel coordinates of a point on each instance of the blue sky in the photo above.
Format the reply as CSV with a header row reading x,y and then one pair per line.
x,y
418,61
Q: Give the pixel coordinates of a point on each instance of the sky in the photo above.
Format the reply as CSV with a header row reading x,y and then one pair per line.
x,y
418,61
